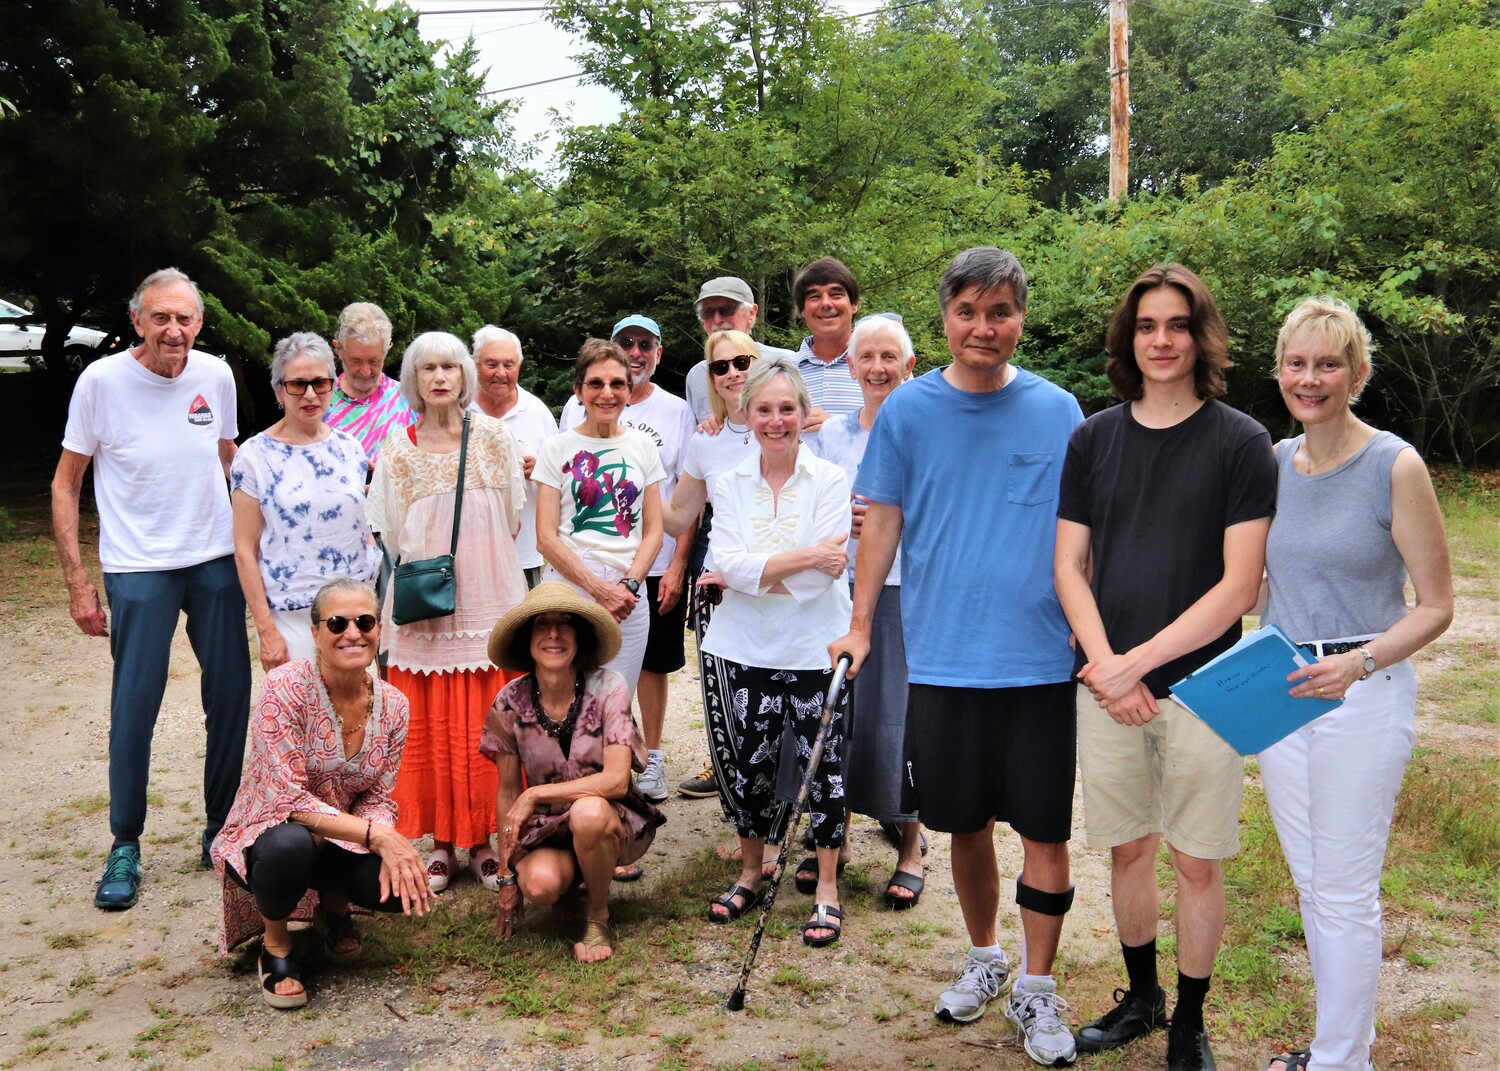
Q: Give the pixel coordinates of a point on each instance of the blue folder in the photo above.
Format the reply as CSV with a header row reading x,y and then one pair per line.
x,y
1242,694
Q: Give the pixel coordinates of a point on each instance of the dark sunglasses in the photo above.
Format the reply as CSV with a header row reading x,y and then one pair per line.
x,y
721,368
600,384
298,387
338,624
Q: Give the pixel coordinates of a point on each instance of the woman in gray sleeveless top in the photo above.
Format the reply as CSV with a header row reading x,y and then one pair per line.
x,y
1355,515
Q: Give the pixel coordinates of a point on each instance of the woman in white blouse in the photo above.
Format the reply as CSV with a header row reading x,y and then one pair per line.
x,y
781,521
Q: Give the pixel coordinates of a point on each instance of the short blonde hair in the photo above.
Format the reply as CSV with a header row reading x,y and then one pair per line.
x,y
742,343
761,373
1332,321
437,345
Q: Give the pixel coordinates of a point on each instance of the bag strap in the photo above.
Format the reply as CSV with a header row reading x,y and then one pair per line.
x,y
458,493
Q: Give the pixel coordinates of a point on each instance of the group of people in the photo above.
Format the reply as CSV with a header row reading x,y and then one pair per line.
x,y
792,509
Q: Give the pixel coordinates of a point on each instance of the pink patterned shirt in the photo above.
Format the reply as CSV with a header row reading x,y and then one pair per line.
x,y
297,763
372,419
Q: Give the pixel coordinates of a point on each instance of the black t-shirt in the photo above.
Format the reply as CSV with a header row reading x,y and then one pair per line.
x,y
1157,502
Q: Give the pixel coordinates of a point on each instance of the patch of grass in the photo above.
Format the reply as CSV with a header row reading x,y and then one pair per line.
x,y
1471,507
793,978
82,1015
1417,1039
1467,688
69,939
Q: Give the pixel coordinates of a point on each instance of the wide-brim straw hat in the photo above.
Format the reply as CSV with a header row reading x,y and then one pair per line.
x,y
552,597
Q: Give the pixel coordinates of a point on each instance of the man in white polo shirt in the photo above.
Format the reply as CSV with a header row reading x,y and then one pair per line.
x,y
497,356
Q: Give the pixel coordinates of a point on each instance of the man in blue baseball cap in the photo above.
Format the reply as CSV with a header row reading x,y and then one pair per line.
x,y
669,423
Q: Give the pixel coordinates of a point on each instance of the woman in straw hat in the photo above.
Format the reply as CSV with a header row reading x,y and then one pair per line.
x,y
567,725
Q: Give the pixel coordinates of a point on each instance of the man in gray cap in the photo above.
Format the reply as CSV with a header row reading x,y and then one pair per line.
x,y
724,304
666,421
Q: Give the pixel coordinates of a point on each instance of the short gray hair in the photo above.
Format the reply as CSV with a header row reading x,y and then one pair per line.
x,y
162,278
336,585
880,323
301,344
760,375
489,333
437,345
986,267
364,322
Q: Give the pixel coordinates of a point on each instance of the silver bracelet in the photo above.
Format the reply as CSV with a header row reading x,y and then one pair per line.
x,y
506,880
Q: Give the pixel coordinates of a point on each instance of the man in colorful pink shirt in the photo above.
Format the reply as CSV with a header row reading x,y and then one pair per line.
x,y
367,403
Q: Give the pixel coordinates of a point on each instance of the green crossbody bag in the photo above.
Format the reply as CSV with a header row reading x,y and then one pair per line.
x,y
428,588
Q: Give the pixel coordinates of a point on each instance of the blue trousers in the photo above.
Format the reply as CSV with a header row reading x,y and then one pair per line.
x,y
143,611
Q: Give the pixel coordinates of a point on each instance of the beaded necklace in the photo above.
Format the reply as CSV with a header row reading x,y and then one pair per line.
x,y
561,731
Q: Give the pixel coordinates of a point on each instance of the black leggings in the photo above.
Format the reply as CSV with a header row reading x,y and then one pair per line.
x,y
285,861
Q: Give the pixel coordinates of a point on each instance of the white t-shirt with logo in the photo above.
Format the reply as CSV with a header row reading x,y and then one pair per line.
x,y
161,491
668,422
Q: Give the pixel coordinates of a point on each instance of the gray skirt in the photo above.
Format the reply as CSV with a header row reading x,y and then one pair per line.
x,y
877,718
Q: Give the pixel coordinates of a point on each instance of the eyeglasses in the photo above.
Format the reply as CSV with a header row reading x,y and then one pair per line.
x,y
721,368
645,345
612,384
338,624
298,387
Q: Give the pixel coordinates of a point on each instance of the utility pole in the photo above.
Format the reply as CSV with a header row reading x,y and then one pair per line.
x,y
1119,99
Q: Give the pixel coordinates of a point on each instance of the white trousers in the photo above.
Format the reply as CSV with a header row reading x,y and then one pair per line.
x,y
1332,787
633,630
295,627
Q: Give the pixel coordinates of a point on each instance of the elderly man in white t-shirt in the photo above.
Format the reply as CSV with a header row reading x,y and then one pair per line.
x,y
668,422
497,355
158,424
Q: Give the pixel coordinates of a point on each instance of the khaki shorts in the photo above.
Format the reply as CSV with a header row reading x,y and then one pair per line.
x,y
1174,776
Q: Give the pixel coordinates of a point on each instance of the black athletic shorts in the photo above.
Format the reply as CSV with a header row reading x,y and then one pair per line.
x,y
665,652
973,754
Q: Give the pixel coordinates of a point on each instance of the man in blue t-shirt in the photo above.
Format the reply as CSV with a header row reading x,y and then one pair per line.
x,y
962,470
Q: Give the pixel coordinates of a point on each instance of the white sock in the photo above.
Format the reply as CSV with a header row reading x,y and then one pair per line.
x,y
653,752
984,955
1025,978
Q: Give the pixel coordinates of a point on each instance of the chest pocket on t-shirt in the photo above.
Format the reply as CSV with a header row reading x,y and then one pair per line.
x,y
1029,480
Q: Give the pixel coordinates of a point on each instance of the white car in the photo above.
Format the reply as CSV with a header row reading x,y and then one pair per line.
x,y
21,340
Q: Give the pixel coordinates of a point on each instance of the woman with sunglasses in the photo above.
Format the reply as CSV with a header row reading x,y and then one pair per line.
x,y
313,824
298,491
598,506
440,664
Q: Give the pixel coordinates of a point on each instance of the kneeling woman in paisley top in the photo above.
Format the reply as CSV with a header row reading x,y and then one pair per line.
x,y
567,725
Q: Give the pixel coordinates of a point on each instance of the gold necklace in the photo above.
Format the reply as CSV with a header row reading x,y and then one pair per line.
x,y
1313,466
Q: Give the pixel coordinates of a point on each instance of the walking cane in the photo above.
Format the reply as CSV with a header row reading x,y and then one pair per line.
x,y
736,1001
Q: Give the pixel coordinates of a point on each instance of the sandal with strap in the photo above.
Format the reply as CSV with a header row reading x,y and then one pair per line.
x,y
1296,1060
597,934
734,912
809,885
337,928
912,883
825,917
274,970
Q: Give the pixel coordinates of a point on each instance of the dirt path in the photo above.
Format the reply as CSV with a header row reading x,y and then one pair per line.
x,y
143,989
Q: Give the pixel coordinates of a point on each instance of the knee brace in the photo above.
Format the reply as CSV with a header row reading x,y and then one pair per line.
x,y
1043,903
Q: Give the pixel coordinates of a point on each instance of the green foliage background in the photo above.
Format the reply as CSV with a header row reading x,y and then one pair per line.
x,y
296,155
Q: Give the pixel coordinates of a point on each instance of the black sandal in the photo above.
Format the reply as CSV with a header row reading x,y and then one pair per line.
x,y
1296,1060
912,883
808,886
734,912
825,917
274,970
338,928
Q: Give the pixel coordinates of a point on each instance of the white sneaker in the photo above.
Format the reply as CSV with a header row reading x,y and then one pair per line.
x,y
979,982
1036,1009
653,779
439,869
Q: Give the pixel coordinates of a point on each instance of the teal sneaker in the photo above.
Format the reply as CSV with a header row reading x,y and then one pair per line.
x,y
121,883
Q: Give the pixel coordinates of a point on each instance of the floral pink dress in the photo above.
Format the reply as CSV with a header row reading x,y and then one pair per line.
x,y
512,729
297,763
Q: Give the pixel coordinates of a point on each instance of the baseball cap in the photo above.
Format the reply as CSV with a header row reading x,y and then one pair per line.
x,y
727,286
637,320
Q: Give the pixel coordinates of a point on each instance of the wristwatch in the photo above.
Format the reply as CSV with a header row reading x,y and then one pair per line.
x,y
1369,663
632,585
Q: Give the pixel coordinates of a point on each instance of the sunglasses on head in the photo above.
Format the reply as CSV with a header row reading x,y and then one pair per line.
x,y
338,624
298,387
721,368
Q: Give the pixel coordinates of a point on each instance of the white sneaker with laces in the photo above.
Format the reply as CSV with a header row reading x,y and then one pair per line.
x,y
979,982
653,779
1036,1009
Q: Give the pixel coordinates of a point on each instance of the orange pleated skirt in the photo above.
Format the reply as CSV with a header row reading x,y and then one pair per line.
x,y
445,786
